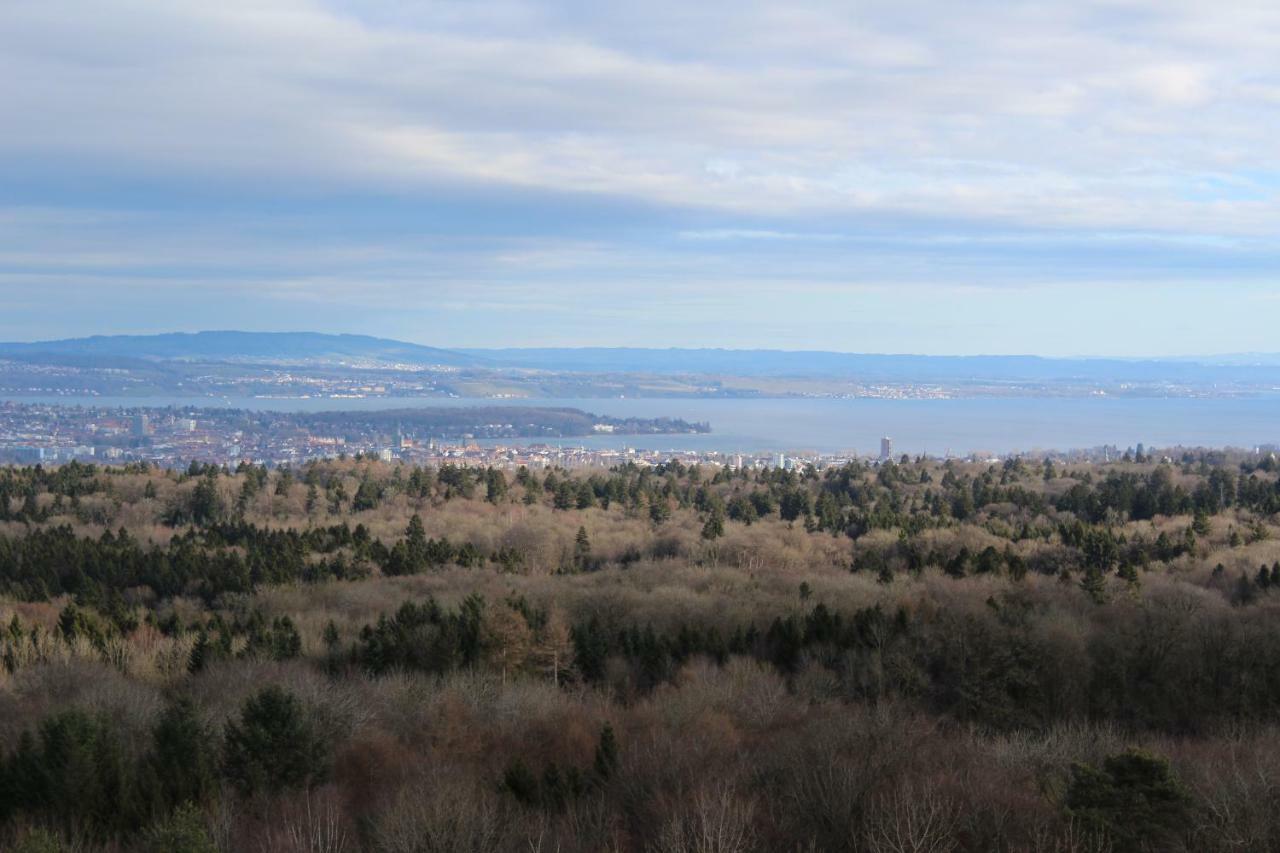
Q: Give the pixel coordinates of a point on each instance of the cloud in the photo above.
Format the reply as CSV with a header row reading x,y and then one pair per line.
x,y
334,151
1098,108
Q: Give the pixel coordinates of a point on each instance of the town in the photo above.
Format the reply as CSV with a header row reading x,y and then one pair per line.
x,y
175,437
482,437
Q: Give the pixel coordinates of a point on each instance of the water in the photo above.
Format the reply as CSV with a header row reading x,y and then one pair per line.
x,y
999,425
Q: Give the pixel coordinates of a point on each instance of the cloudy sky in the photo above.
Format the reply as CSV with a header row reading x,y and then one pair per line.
x,y
1057,178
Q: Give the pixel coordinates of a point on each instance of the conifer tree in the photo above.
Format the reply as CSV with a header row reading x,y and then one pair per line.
x,y
606,758
1094,583
200,653
273,745
181,766
581,550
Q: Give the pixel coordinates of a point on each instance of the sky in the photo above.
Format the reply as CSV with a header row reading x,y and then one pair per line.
x,y
1057,178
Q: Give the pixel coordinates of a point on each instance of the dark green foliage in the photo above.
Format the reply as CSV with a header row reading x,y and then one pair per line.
x,y
714,527
182,764
201,652
1094,585
591,649
551,792
424,637
182,832
279,641
606,759
521,783
582,550
368,496
794,504
73,774
1134,800
416,553
273,746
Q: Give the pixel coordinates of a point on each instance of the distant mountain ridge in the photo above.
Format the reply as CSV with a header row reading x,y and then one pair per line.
x,y
889,368
232,345
333,348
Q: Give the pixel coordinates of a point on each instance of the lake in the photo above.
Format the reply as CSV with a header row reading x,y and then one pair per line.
x,y
1000,425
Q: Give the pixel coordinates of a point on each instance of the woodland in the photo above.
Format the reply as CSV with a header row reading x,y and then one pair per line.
x,y
916,655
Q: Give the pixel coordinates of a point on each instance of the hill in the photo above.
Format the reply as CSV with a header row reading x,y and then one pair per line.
x,y
887,367
232,346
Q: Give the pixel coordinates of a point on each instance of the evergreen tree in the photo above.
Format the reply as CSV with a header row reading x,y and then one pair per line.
x,y
200,653
581,550
274,745
1134,800
368,496
182,764
1244,593
1094,583
182,832
495,486
713,529
659,510
1200,524
606,758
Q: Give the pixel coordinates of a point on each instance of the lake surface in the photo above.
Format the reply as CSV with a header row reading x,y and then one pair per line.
x,y
1000,425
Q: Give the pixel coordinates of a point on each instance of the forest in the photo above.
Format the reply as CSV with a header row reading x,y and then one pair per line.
x,y
916,655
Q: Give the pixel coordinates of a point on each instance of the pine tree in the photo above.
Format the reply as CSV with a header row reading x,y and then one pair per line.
x,y
182,832
591,649
713,529
659,510
606,760
274,745
368,496
1129,574
1200,525
182,765
1263,579
1134,800
1094,583
200,653
581,550
495,486
1245,593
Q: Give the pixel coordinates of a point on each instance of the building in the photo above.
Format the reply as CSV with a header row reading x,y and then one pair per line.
x,y
28,455
141,426
886,449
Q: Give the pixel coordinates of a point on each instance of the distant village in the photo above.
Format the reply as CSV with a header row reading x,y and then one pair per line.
x,y
49,435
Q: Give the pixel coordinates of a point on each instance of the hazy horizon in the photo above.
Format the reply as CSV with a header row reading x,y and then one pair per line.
x,y
599,346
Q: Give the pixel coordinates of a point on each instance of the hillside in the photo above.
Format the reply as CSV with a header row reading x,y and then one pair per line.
x,y
230,346
954,654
